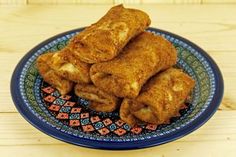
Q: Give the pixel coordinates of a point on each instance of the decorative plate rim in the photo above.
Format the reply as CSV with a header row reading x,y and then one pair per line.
x,y
116,145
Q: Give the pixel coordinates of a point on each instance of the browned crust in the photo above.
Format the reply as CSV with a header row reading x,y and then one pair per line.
x,y
50,76
125,113
99,100
162,97
66,65
143,57
102,107
104,39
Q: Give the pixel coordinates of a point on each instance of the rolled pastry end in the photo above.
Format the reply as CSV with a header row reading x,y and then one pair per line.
x,y
67,66
103,40
50,76
93,53
117,85
99,100
162,97
125,113
144,112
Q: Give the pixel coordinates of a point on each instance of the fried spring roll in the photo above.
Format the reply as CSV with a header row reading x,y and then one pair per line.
x,y
99,100
104,40
162,97
50,76
67,66
125,113
142,58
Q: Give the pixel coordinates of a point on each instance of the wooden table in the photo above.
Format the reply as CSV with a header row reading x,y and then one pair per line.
x,y
212,27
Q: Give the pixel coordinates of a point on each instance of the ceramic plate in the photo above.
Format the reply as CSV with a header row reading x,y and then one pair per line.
x,y
69,119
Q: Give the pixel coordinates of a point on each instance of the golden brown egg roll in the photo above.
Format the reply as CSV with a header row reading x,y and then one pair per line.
x,y
142,58
125,113
99,100
64,86
66,65
104,40
162,97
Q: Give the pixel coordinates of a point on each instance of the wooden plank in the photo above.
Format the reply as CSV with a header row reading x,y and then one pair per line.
x,y
183,149
18,136
95,2
171,1
70,2
117,1
187,1
210,33
127,1
227,66
51,1
157,1
13,2
218,1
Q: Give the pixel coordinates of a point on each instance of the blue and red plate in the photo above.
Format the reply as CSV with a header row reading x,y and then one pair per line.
x,y
69,119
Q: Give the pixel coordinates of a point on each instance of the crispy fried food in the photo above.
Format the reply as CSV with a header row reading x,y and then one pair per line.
x,y
104,40
125,113
50,76
101,107
67,66
99,100
142,58
162,97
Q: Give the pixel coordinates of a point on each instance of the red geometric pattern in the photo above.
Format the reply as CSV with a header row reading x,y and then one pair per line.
x,y
48,90
69,103
54,107
88,128
120,122
151,127
136,130
65,97
74,122
120,131
62,116
73,114
107,121
95,119
103,131
84,115
76,110
49,98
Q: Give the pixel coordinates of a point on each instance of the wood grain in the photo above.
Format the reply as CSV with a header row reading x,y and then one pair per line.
x,y
13,2
217,135
212,27
117,1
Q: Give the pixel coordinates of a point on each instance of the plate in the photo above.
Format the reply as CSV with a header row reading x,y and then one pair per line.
x,y
69,119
